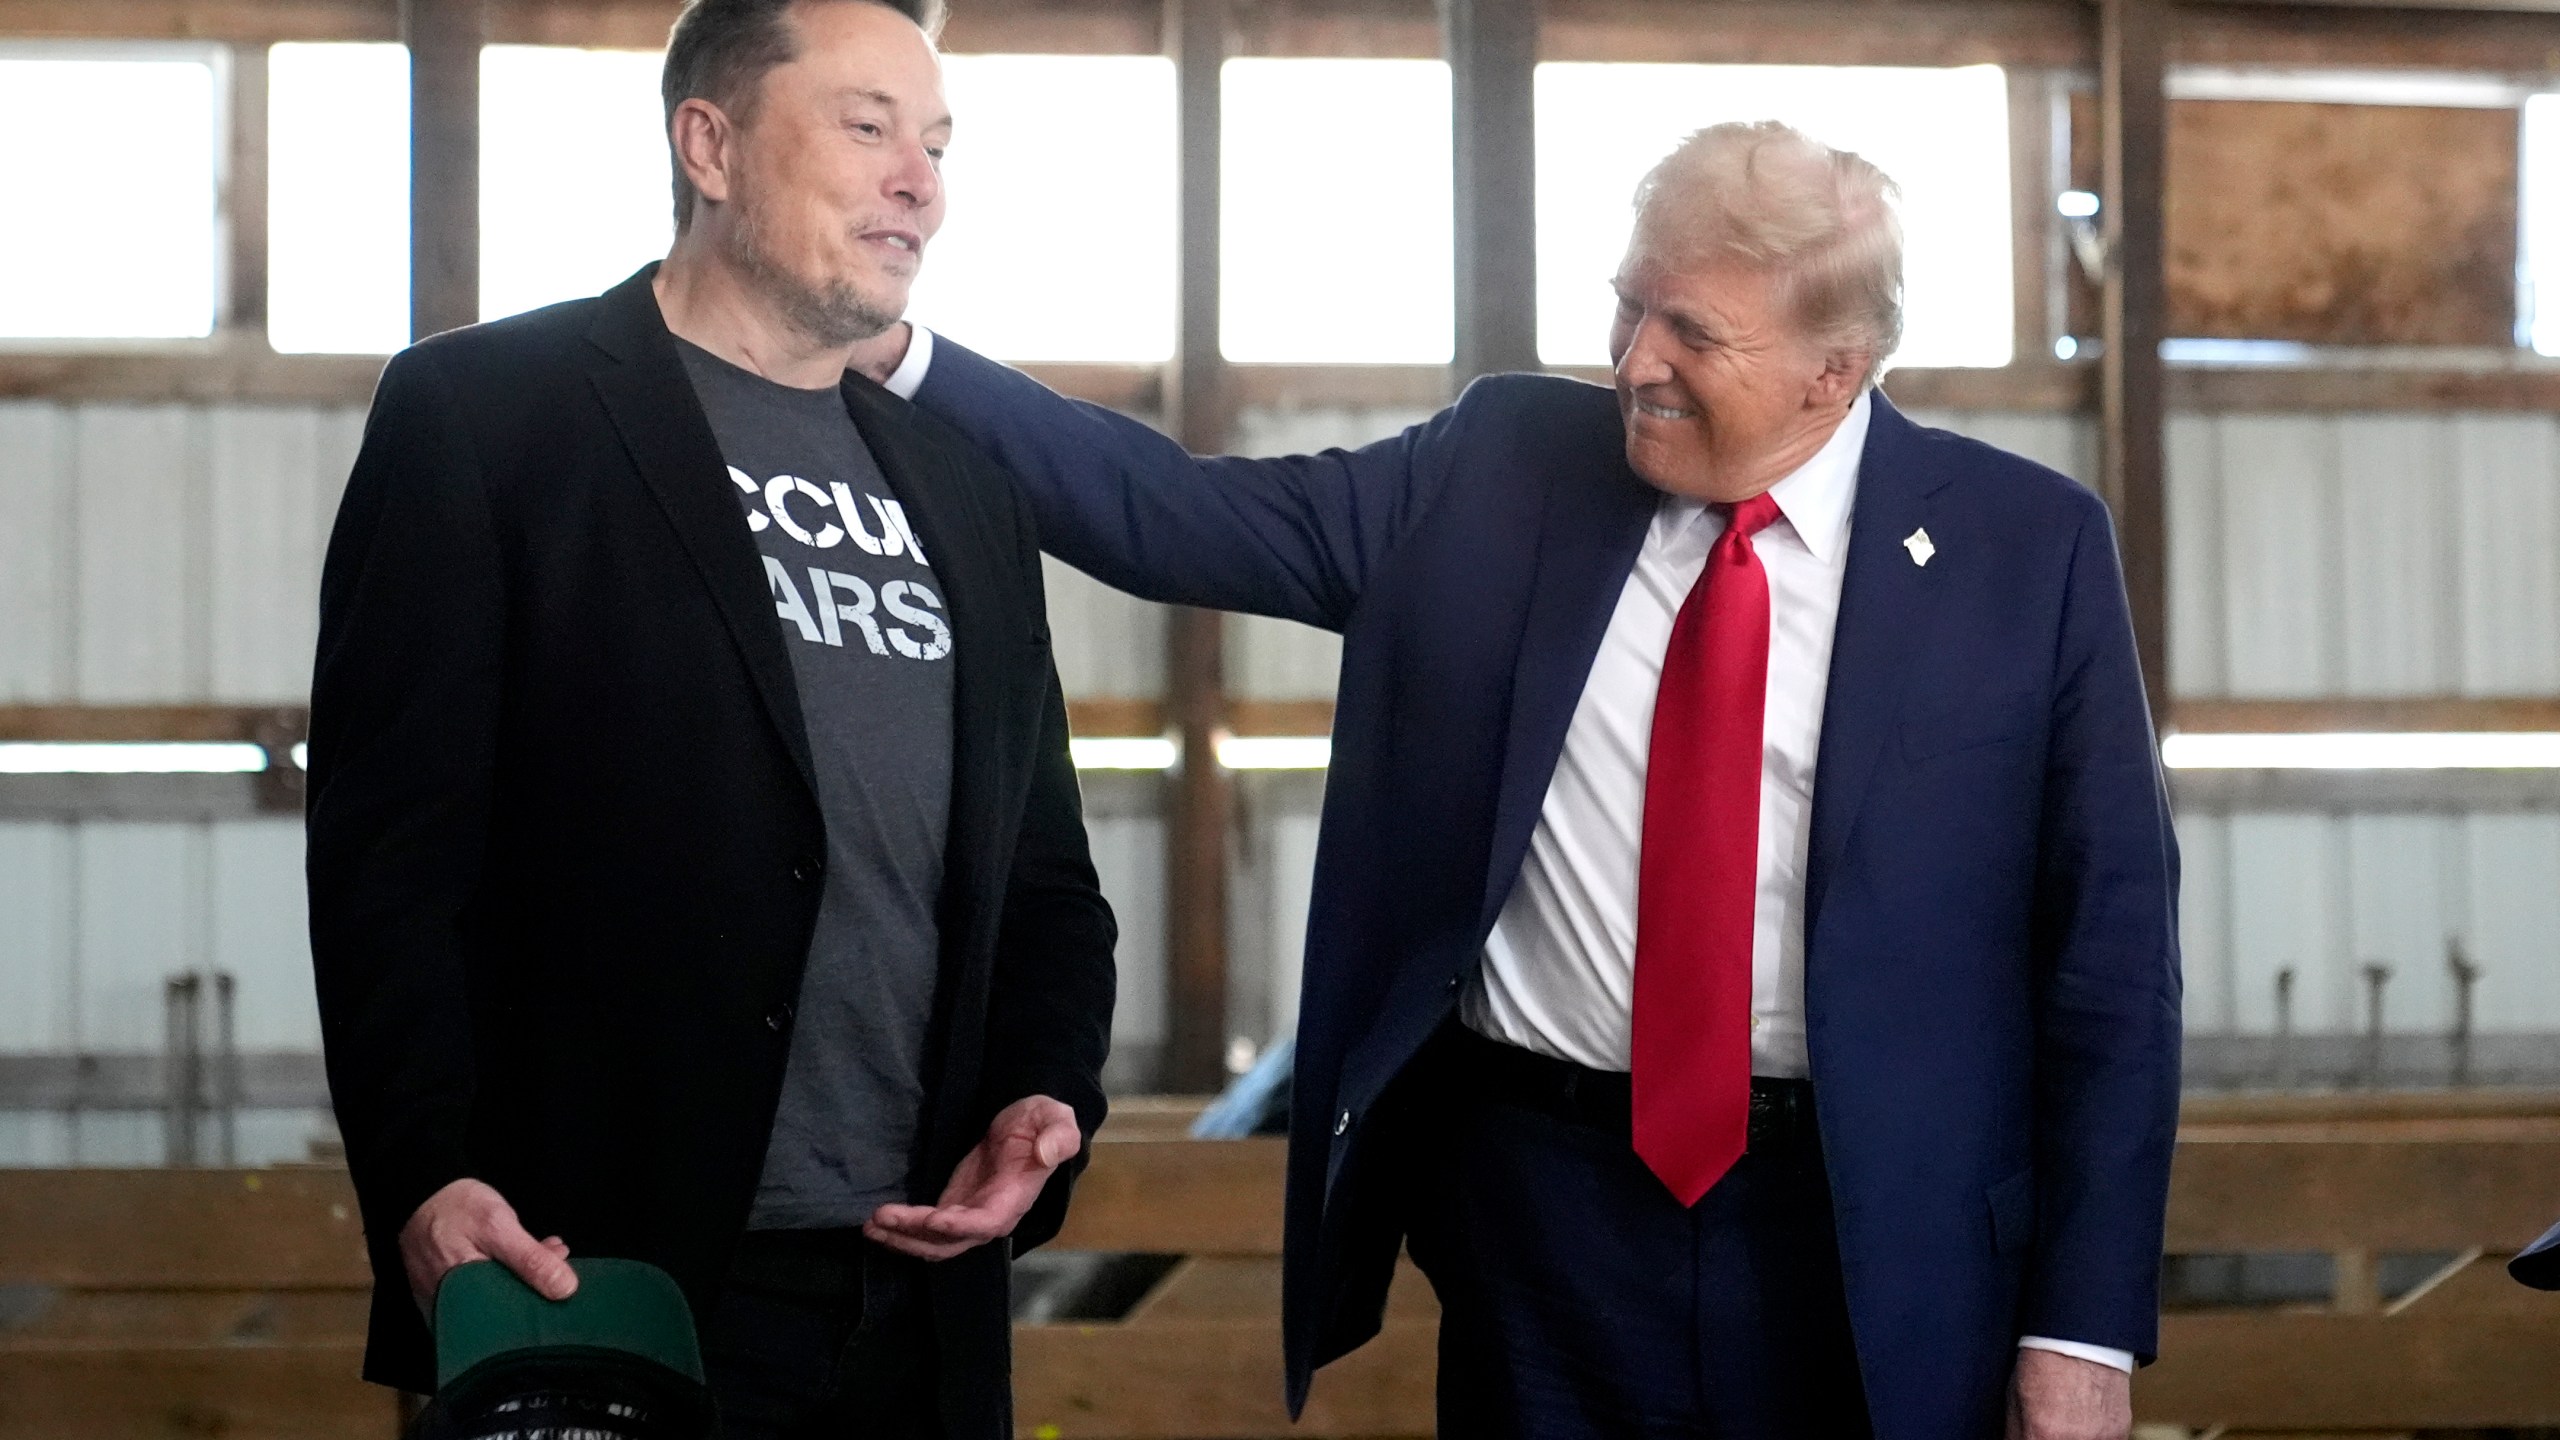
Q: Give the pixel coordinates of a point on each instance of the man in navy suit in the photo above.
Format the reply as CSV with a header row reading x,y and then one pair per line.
x,y
1742,963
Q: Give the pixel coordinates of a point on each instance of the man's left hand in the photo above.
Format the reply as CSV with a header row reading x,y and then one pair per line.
x,y
2063,1397
994,1186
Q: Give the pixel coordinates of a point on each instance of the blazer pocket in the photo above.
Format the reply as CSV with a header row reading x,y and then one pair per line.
x,y
2013,1212
1969,725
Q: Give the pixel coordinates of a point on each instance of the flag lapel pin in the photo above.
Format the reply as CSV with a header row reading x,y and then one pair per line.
x,y
1920,546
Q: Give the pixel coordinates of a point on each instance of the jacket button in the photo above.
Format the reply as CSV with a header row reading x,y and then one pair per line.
x,y
1342,1124
1455,982
809,869
778,1021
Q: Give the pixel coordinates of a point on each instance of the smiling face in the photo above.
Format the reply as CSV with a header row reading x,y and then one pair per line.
x,y
830,185
1722,392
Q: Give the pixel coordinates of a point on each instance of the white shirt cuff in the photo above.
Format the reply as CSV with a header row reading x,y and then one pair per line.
x,y
908,378
2096,1354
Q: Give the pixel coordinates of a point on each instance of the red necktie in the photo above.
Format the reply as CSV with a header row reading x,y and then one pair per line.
x,y
1698,876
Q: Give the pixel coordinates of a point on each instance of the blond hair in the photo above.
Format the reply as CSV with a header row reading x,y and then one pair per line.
x,y
1775,199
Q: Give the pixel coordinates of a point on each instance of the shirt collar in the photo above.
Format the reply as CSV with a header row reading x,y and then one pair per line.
x,y
1816,497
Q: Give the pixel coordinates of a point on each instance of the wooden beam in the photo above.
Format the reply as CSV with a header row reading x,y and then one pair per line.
x,y
1492,49
174,1392
2366,1373
1199,409
2034,234
1214,1380
130,723
1179,1197
444,39
2234,1189
244,200
2132,400
1840,32
289,1228
2435,713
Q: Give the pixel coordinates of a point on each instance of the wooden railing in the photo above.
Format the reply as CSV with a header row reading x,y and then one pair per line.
x,y
220,1302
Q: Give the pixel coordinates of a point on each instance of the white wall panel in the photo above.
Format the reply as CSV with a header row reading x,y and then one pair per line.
x,y
260,932
2204,921
2514,935
1108,644
2508,468
2068,443
37,1009
1271,659
139,493
2400,913
35,543
2286,913
2279,513
141,912
264,547
2398,622
2199,657
1128,855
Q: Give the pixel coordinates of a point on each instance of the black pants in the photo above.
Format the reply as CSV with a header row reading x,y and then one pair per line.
x,y
821,1335
1579,1299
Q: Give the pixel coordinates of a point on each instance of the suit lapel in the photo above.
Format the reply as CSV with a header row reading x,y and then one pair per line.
x,y
642,382
1588,535
1887,604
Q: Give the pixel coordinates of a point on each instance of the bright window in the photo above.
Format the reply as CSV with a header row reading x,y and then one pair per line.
x,y
338,198
114,225
1335,213
1943,135
1059,243
574,185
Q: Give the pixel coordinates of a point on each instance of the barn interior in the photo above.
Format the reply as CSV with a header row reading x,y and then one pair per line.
x,y
2268,277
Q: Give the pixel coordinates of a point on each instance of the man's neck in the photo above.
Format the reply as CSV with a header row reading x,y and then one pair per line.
x,y
707,302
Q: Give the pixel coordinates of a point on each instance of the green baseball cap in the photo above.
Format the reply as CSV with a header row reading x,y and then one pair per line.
x,y
622,1350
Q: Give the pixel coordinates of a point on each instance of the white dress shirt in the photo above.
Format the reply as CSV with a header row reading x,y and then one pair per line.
x,y
1559,968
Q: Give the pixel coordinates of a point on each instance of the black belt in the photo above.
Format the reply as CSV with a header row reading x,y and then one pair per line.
x,y
1782,1118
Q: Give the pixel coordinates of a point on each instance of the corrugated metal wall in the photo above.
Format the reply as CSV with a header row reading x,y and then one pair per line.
x,y
167,554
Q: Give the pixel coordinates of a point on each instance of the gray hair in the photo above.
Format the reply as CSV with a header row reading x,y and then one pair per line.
x,y
1773,198
720,50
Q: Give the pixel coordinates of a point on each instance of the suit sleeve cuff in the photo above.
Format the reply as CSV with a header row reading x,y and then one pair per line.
x,y
2097,1354
908,378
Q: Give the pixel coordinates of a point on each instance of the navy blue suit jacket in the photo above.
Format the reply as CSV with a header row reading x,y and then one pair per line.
x,y
1992,989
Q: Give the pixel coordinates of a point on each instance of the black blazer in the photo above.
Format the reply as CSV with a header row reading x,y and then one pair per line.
x,y
564,840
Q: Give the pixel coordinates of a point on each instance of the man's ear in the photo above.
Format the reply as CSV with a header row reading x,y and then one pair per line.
x,y
1844,374
700,131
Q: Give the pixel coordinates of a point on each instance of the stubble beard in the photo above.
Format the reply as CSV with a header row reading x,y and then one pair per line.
x,y
830,313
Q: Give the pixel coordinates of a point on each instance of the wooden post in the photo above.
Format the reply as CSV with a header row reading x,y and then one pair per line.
x,y
2034,240
444,39
244,200
1200,801
2134,124
1492,47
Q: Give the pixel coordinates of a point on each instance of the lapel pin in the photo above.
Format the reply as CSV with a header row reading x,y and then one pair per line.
x,y
1918,543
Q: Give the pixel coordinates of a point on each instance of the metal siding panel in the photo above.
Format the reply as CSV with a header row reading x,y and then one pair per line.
x,y
264,564
2279,501
2397,915
2510,504
1268,431
140,555
36,971
30,1137
1128,855
35,538
261,932
1109,645
123,1140
2198,615
2204,921
1293,874
2515,920
141,907
2396,554
1271,659
2285,912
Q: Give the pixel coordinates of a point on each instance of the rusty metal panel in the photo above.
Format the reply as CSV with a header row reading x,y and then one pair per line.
x,y
2342,224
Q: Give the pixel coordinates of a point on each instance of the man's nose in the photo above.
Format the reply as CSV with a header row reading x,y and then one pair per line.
x,y
915,181
1642,362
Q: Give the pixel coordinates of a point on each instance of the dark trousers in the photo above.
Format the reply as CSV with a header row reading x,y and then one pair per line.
x,y
1579,1299
821,1335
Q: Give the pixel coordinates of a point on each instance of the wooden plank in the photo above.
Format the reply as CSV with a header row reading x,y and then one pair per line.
x,y
1849,32
1492,49
288,1228
148,722
2132,403
444,39
1213,1380
2360,1372
1200,806
1179,1197
146,1318
188,1392
2368,1107
2442,1194
244,196
2426,713
2034,229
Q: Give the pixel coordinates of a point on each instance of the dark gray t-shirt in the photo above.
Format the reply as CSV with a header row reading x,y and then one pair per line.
x,y
862,616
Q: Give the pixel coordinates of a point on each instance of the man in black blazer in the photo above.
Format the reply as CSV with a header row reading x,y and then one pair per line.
x,y
696,865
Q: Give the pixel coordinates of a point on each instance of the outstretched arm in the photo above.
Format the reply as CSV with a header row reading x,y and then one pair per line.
x,y
1296,537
